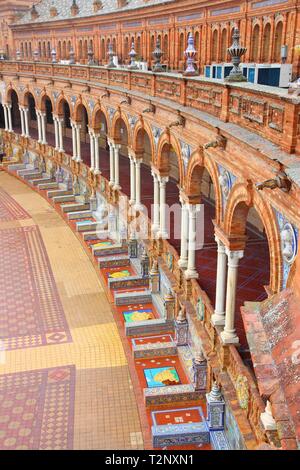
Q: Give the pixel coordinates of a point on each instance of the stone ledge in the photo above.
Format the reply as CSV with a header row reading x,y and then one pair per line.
x,y
154,350
171,394
155,326
180,434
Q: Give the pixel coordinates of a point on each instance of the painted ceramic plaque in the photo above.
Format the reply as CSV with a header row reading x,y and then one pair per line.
x,y
161,377
138,315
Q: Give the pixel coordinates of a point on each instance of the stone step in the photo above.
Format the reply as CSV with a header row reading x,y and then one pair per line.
x,y
116,248
16,166
79,215
45,179
182,393
27,170
33,175
180,434
149,327
99,235
59,192
154,349
130,281
84,226
114,261
129,298
49,185
77,206
64,198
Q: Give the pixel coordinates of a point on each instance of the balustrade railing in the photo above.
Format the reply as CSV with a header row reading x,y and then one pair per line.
x,y
268,111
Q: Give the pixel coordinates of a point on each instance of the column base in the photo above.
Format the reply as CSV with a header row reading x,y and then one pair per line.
x,y
163,235
138,207
73,158
191,274
229,337
218,319
132,202
78,160
97,172
61,150
182,263
111,184
92,170
116,187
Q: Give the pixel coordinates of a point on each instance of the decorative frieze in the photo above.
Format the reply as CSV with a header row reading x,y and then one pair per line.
x,y
276,117
167,87
253,110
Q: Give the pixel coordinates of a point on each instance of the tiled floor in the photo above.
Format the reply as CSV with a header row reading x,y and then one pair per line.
x,y
64,380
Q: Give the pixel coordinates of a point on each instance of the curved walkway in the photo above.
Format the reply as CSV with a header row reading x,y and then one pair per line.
x,y
64,378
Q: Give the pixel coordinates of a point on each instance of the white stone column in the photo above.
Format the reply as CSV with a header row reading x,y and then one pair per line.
x,y
138,183
74,140
218,318
191,272
97,162
38,117
78,142
229,335
111,163
43,120
117,171
183,260
92,149
6,117
162,207
10,128
60,135
56,132
155,225
132,180
22,121
25,111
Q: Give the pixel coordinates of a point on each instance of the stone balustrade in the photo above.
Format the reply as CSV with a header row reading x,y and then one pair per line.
x,y
267,111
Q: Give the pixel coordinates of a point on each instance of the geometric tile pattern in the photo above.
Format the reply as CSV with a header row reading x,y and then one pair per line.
x,y
37,409
10,209
31,314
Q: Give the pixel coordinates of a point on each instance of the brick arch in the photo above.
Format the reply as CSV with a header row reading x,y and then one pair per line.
x,y
8,94
98,110
78,105
115,127
241,198
136,138
166,142
193,180
28,92
60,100
43,99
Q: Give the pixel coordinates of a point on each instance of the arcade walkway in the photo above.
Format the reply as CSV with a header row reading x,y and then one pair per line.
x,y
64,378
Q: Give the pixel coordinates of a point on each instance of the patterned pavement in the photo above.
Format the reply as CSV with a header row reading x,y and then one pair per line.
x,y
64,377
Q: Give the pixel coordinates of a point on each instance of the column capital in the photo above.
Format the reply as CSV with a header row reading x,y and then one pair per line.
x,y
234,257
110,142
163,179
221,246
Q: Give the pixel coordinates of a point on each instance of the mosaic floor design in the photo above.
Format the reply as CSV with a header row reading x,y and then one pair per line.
x,y
10,209
157,339
36,409
33,315
178,416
